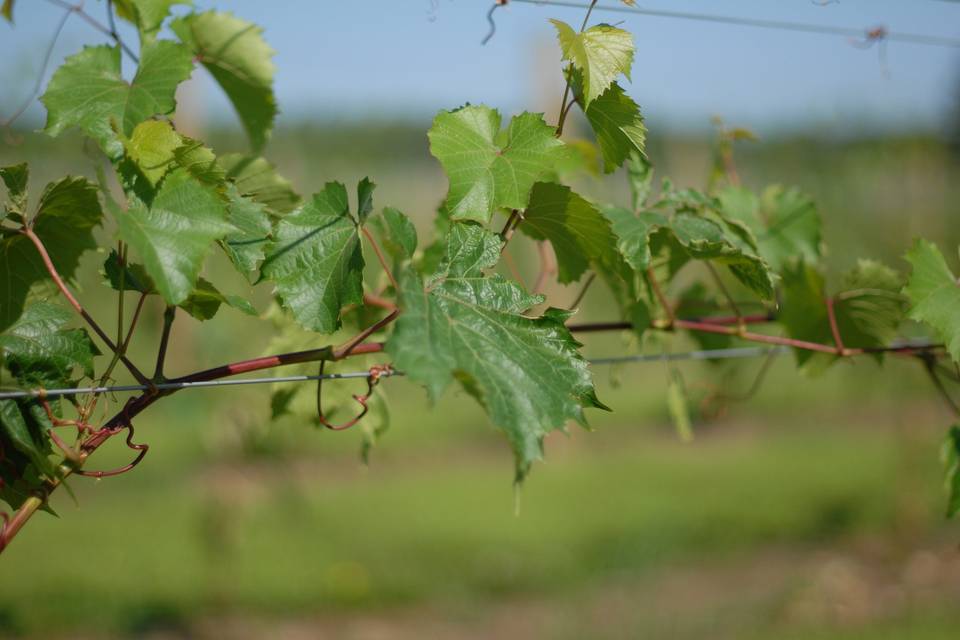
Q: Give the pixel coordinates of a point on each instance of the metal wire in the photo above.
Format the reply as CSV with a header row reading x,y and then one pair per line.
x,y
782,25
734,353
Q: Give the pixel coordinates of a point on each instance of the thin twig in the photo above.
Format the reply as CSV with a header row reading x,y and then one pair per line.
x,y
661,298
96,24
381,258
43,71
169,315
583,291
62,286
723,288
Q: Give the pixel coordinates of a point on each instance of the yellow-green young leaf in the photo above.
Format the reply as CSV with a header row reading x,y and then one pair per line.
x,y
7,10
89,92
15,178
240,60
618,125
678,406
68,212
315,260
489,169
152,147
147,15
466,326
869,309
600,54
174,233
246,248
200,161
578,232
951,464
258,180
785,222
934,293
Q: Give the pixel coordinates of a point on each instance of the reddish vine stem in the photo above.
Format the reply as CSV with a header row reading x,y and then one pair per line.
x,y
381,258
661,298
834,327
62,286
548,267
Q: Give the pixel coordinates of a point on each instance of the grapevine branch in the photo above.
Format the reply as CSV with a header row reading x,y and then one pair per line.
x,y
65,291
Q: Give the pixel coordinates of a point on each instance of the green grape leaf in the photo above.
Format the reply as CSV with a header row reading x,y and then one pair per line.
x,y
39,351
7,10
68,212
679,406
258,180
934,293
397,234
640,176
434,252
786,223
15,178
489,169
240,60
147,15
365,199
640,318
316,261
578,232
205,300
633,234
462,325
25,427
600,53
89,92
152,148
247,247
174,233
951,463
869,308
202,303
704,239
618,125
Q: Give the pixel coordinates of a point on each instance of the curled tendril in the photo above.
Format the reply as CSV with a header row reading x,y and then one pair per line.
x,y
493,25
373,378
142,448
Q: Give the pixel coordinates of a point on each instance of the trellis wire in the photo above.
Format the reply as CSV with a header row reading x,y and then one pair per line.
x,y
782,25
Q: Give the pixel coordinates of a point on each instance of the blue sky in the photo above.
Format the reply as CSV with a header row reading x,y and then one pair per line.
x,y
409,58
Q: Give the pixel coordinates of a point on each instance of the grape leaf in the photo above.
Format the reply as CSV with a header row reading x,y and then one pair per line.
x,y
934,292
600,53
200,161
489,169
236,55
152,147
39,351
258,180
147,15
951,463
202,303
578,232
15,178
68,212
25,428
618,125
397,234
785,223
316,261
174,233
678,406
7,10
633,234
246,248
640,177
89,92
365,199
461,325
869,308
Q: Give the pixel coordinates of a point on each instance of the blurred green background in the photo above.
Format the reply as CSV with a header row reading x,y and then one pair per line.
x,y
814,510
